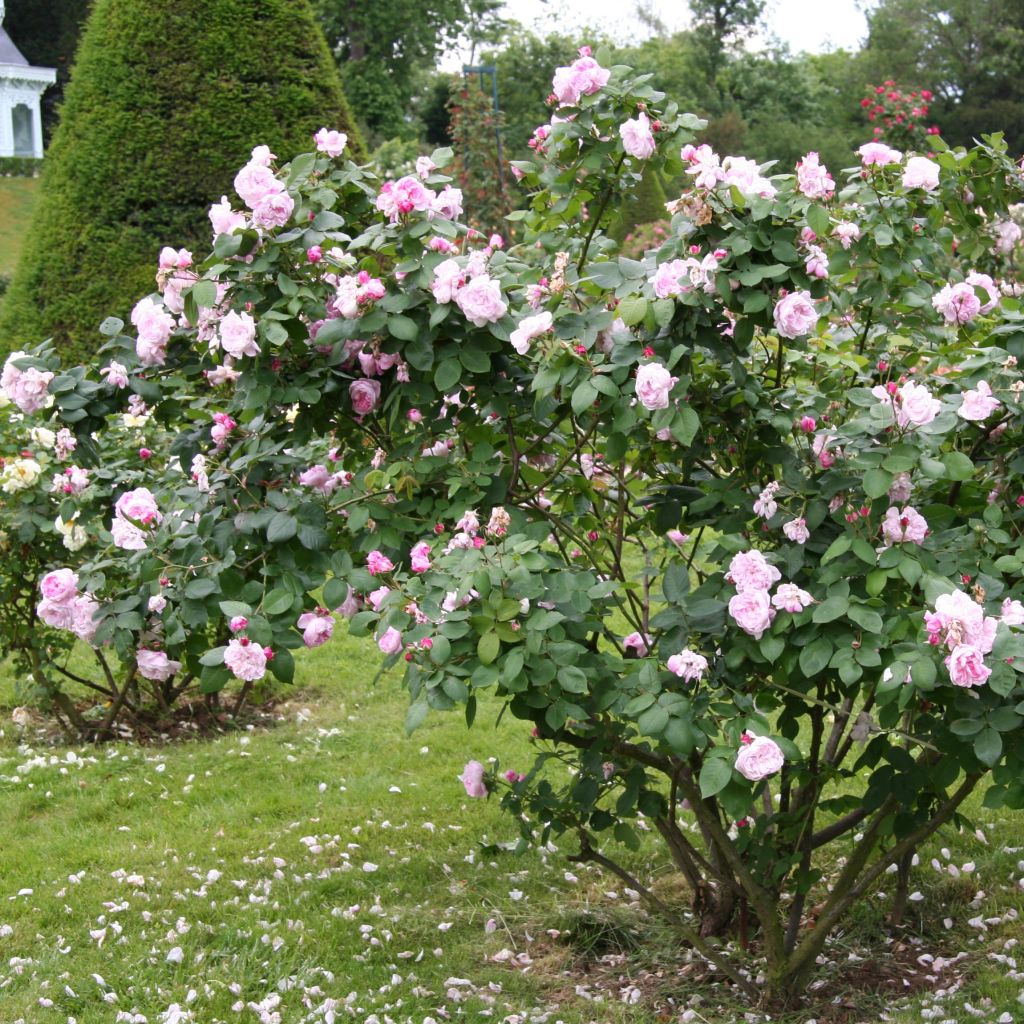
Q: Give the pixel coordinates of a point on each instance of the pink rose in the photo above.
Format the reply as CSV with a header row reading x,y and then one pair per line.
x,y
237,332
688,665
377,562
481,301
637,643
958,303
365,394
984,281
397,198
752,611
316,627
138,505
376,597
154,325
330,142
759,759
447,204
529,328
847,233
58,615
155,665
1012,612
904,526
813,179
749,570
254,182
916,405
796,530
28,389
921,172
788,597
653,384
448,279
878,154
116,374
637,138
978,404
967,666
246,660
273,211
746,176
223,219
677,537
958,619
420,557
472,778
795,315
59,586
901,488
583,77
391,641
350,606
84,626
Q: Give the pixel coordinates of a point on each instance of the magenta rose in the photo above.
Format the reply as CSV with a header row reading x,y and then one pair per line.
x,y
759,758
316,627
391,641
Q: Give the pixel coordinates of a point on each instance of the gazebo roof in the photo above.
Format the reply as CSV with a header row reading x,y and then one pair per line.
x,y
9,53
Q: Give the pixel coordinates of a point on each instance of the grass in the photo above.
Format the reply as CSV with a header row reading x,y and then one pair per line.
x,y
17,201
332,858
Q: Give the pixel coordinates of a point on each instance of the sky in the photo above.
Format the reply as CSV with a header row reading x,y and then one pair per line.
x,y
812,25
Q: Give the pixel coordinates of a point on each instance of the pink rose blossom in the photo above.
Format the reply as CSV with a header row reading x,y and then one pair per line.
x,y
330,142
795,315
759,758
481,301
901,488
967,666
958,303
377,562
677,537
688,665
246,660
273,211
316,627
847,233
638,644
116,374
796,530
350,606
237,334
1012,612
155,665
391,641
985,282
905,525
224,220
749,570
745,175
85,625
59,586
913,403
653,385
420,557
788,597
449,277
921,172
752,612
878,154
376,597
424,165
397,198
529,328
813,179
979,404
472,778
583,77
765,505
447,204
255,181
237,623
958,619
365,395
637,138
154,325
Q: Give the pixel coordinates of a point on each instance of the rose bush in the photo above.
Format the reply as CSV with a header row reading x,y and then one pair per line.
x,y
735,528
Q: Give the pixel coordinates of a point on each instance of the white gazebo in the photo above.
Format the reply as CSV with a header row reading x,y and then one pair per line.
x,y
21,87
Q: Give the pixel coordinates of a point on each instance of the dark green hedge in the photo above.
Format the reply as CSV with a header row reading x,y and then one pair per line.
x,y
166,100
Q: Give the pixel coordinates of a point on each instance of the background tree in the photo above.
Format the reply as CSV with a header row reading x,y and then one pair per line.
x,y
157,120
47,33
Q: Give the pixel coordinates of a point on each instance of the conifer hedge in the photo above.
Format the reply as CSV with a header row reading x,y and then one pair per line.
x,y
165,103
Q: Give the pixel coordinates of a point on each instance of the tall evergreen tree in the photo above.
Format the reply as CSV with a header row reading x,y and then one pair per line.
x,y
166,101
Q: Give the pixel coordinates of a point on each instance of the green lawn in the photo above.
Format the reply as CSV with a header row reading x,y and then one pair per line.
x,y
17,200
330,858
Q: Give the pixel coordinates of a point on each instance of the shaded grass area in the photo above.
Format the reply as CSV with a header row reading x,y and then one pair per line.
x,y
17,200
334,864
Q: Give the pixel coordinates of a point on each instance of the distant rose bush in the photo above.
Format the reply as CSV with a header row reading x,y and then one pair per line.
x,y
733,528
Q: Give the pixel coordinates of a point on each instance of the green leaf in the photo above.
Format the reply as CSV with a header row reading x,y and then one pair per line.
x,y
958,466
867,618
830,609
403,327
988,746
214,657
838,547
277,602
282,527
877,482
772,646
282,665
651,722
966,726
232,609
200,588
923,673
715,775
815,656
440,650
447,375
632,310
415,715
487,647
818,219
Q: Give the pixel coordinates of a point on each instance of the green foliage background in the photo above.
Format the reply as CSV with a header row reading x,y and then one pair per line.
x,y
167,100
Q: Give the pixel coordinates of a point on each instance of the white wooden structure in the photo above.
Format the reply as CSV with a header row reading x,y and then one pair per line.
x,y
21,88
